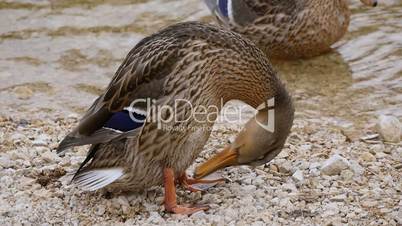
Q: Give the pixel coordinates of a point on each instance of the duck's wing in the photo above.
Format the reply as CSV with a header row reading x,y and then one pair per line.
x,y
141,76
274,7
232,11
245,12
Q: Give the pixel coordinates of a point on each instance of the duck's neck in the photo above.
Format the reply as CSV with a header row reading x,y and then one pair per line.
x,y
256,92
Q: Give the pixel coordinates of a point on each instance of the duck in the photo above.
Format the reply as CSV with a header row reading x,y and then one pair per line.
x,y
154,118
286,30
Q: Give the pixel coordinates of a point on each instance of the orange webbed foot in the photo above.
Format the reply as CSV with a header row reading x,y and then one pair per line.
x,y
195,185
170,196
187,209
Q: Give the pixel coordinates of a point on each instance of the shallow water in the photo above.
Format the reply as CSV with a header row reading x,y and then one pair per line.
x,y
56,56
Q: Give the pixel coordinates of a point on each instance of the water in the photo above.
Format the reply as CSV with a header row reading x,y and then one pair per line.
x,y
56,56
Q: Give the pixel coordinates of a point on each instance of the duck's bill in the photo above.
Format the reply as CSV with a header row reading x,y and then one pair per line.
x,y
372,3
227,157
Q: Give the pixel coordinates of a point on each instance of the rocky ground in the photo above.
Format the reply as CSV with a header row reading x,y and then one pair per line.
x,y
321,177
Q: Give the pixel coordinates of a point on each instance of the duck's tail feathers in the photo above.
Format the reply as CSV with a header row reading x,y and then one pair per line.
x,y
101,136
95,179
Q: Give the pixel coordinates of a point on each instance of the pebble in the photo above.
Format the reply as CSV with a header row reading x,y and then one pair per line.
x,y
389,128
155,218
289,187
41,140
259,181
380,155
356,167
285,167
298,176
378,148
334,165
248,188
23,92
1,137
369,203
339,198
367,157
347,175
274,168
331,209
5,162
17,137
50,156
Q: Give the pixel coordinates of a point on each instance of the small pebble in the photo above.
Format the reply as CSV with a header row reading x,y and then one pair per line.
x,y
389,128
41,140
298,176
367,157
334,165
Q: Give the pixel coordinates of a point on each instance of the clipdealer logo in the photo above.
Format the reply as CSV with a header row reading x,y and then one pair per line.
x,y
155,113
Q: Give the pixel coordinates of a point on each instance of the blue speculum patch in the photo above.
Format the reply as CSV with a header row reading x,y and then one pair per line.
x,y
123,122
223,7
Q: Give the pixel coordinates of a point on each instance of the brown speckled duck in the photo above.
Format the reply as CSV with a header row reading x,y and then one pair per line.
x,y
287,29
191,61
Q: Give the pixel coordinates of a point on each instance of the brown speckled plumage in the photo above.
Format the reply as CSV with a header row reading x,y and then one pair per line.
x,y
289,29
193,61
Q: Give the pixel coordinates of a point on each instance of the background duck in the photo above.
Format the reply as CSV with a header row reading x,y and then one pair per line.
x,y
200,63
288,29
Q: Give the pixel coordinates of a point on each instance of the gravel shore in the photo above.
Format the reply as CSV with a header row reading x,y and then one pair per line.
x,y
292,189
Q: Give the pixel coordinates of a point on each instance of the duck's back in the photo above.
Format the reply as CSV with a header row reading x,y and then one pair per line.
x,y
287,29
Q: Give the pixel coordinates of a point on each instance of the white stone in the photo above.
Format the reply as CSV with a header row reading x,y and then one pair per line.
x,y
5,162
259,181
17,137
50,156
248,188
334,165
378,148
290,187
339,198
41,140
356,168
100,210
246,180
389,128
331,209
155,218
1,137
298,176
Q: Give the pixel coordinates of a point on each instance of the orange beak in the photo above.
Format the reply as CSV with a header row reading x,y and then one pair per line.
x,y
225,158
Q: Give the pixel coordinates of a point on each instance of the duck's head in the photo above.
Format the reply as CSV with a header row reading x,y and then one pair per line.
x,y
258,142
372,3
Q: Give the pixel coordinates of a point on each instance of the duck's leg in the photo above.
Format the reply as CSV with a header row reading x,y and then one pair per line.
x,y
195,185
170,196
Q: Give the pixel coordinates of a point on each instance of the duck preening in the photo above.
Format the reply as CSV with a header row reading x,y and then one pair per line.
x,y
288,29
203,64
